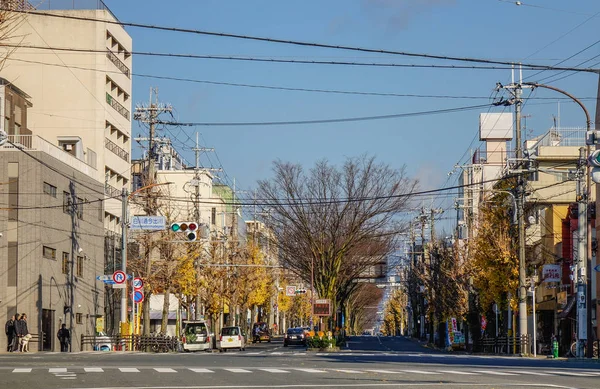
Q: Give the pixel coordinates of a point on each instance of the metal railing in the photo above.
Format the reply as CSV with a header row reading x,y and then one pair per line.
x,y
117,62
117,106
24,141
70,4
111,191
505,345
120,152
149,343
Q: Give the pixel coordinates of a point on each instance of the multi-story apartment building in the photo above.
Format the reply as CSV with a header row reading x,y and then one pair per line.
x,y
52,230
78,72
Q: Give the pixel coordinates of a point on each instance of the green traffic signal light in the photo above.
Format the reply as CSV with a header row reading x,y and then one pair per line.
x,y
175,227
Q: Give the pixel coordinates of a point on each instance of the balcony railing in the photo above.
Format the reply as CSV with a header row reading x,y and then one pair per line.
x,y
19,140
111,191
112,146
117,106
118,63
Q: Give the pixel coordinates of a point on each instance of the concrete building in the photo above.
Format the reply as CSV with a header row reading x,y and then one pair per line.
x,y
82,95
52,231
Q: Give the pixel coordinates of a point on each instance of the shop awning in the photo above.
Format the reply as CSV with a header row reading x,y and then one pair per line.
x,y
570,304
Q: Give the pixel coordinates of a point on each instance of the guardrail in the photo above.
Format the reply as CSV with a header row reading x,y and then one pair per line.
x,y
117,106
505,345
148,343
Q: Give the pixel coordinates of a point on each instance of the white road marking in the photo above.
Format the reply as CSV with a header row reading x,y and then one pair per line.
x,y
200,370
528,372
349,371
239,370
457,372
21,370
420,372
128,370
311,370
570,373
492,372
275,370
385,371
165,370
93,369
57,370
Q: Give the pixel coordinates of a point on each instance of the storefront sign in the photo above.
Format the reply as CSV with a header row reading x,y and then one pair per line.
x,y
551,273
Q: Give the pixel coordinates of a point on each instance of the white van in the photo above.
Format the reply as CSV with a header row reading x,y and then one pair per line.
x,y
195,336
232,337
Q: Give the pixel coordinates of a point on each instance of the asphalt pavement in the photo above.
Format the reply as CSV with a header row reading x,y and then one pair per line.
x,y
367,362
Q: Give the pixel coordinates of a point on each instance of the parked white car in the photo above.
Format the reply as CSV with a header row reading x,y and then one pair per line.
x,y
196,336
232,338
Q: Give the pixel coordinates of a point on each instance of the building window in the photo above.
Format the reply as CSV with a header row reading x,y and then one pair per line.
x,y
213,216
79,318
79,208
50,189
79,266
49,252
66,202
65,263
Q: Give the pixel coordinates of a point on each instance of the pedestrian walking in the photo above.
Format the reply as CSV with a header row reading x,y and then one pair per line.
x,y
11,333
64,336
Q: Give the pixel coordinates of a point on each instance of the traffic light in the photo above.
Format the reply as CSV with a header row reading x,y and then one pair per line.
x,y
594,161
190,229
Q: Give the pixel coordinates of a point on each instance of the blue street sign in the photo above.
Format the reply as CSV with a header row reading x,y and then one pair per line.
x,y
109,282
152,223
138,296
597,268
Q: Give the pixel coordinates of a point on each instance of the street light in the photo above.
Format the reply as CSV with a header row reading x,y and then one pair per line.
x,y
584,260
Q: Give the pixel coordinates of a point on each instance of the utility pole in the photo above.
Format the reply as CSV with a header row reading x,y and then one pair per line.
x,y
516,90
149,115
124,198
581,274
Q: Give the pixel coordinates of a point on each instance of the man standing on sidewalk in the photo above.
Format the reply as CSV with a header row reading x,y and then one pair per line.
x,y
11,333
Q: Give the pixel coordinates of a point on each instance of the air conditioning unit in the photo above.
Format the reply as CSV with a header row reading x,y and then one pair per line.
x,y
68,147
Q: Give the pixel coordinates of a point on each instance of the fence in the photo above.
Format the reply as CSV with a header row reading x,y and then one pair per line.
x,y
148,343
505,345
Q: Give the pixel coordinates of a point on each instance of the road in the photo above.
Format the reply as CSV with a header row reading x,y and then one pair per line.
x,y
369,362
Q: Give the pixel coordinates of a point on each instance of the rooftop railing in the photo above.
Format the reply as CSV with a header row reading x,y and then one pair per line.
x,y
55,5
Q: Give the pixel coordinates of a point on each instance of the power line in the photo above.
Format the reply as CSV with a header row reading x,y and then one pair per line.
x,y
289,42
324,121
507,66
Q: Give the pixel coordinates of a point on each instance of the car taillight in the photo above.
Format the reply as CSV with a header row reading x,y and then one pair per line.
x,y
239,338
183,339
221,338
207,339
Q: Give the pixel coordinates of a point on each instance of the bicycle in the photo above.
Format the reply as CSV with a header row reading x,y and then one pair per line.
x,y
573,349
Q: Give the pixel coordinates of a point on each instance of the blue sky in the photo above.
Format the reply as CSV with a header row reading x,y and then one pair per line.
x,y
538,31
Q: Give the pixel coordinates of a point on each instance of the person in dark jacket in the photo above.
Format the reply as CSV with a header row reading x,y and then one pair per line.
x,y
64,336
22,330
11,333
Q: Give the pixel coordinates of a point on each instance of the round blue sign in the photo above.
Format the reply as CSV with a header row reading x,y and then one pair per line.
x,y
138,296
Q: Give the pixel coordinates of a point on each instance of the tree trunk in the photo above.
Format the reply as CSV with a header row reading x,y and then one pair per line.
x,y
165,311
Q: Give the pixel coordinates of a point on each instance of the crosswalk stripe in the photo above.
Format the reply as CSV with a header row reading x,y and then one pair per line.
x,y
457,372
349,371
571,373
276,353
165,370
93,369
57,370
128,370
420,372
274,370
239,370
492,372
200,370
22,370
528,372
385,371
311,370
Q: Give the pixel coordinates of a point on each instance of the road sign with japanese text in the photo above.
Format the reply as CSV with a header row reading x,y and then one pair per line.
x,y
322,307
151,223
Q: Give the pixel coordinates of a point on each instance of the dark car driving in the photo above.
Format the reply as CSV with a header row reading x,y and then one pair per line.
x,y
294,336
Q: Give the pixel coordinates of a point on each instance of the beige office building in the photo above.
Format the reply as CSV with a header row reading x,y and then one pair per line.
x,y
82,94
